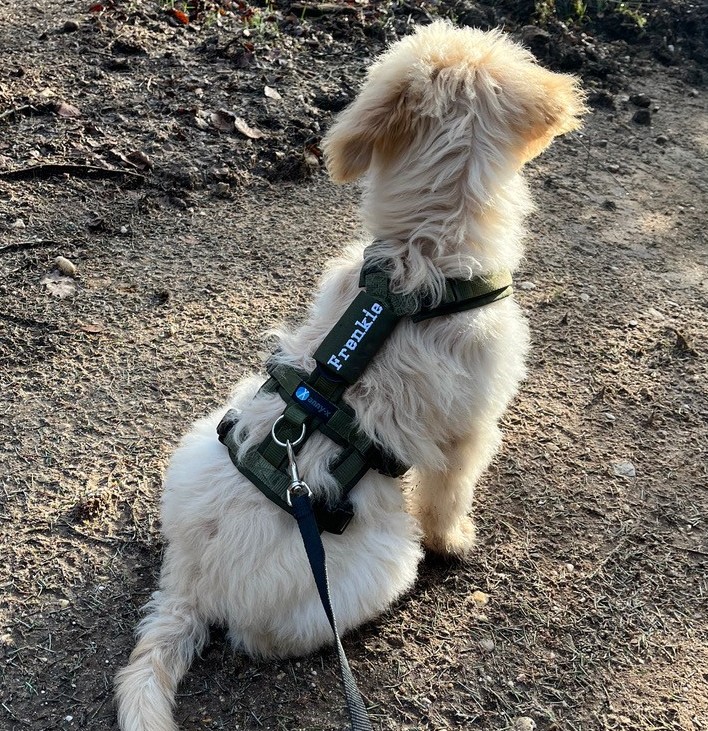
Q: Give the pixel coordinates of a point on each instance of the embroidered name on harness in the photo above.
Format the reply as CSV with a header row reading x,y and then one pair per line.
x,y
362,328
356,338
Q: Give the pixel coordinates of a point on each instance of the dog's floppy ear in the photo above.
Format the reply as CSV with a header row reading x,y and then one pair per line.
x,y
380,118
552,104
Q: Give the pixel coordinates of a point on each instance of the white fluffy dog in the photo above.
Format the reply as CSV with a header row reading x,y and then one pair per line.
x,y
441,128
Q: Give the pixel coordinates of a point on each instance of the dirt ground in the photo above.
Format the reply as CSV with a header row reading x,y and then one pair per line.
x,y
177,167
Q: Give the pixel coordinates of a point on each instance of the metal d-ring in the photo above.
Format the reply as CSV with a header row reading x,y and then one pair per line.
x,y
287,441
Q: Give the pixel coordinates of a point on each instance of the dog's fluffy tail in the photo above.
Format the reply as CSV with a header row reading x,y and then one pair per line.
x,y
167,641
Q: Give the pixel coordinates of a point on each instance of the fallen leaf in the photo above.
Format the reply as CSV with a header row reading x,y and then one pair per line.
x,y
222,120
58,285
92,328
272,93
67,110
139,159
135,158
179,15
253,132
243,59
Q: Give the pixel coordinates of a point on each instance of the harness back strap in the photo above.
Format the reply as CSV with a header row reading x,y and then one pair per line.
x,y
314,400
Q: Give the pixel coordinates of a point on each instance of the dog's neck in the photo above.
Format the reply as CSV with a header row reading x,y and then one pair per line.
x,y
423,238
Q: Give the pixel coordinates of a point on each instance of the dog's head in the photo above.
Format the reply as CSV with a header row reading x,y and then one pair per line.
x,y
444,86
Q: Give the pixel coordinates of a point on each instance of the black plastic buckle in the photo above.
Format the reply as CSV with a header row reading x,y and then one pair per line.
x,y
227,424
334,519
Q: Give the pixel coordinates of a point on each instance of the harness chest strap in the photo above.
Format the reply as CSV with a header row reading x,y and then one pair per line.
x,y
314,400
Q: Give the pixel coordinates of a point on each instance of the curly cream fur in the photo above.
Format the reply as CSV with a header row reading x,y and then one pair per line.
x,y
440,129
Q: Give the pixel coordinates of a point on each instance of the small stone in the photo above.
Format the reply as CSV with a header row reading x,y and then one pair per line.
x,y
612,168
569,567
661,140
642,116
70,26
524,723
63,603
602,100
641,100
693,93
65,266
69,718
609,417
633,323
124,230
18,224
487,645
480,598
624,469
584,297
527,285
222,189
601,143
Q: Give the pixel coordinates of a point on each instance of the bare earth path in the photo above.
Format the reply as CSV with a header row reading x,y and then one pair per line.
x,y
593,522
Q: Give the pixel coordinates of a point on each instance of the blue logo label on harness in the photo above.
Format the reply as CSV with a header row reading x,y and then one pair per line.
x,y
314,402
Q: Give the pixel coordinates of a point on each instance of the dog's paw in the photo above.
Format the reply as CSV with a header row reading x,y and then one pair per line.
x,y
459,541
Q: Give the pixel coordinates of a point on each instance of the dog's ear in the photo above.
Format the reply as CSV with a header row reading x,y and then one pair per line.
x,y
379,119
552,105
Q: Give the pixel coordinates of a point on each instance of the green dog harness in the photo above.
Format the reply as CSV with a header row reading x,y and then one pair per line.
x,y
314,401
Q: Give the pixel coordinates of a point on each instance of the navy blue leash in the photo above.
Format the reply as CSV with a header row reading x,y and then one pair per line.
x,y
302,510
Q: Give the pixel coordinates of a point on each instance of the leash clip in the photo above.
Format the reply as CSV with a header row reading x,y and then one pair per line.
x,y
298,486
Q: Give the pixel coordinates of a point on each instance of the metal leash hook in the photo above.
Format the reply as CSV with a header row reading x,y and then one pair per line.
x,y
297,485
